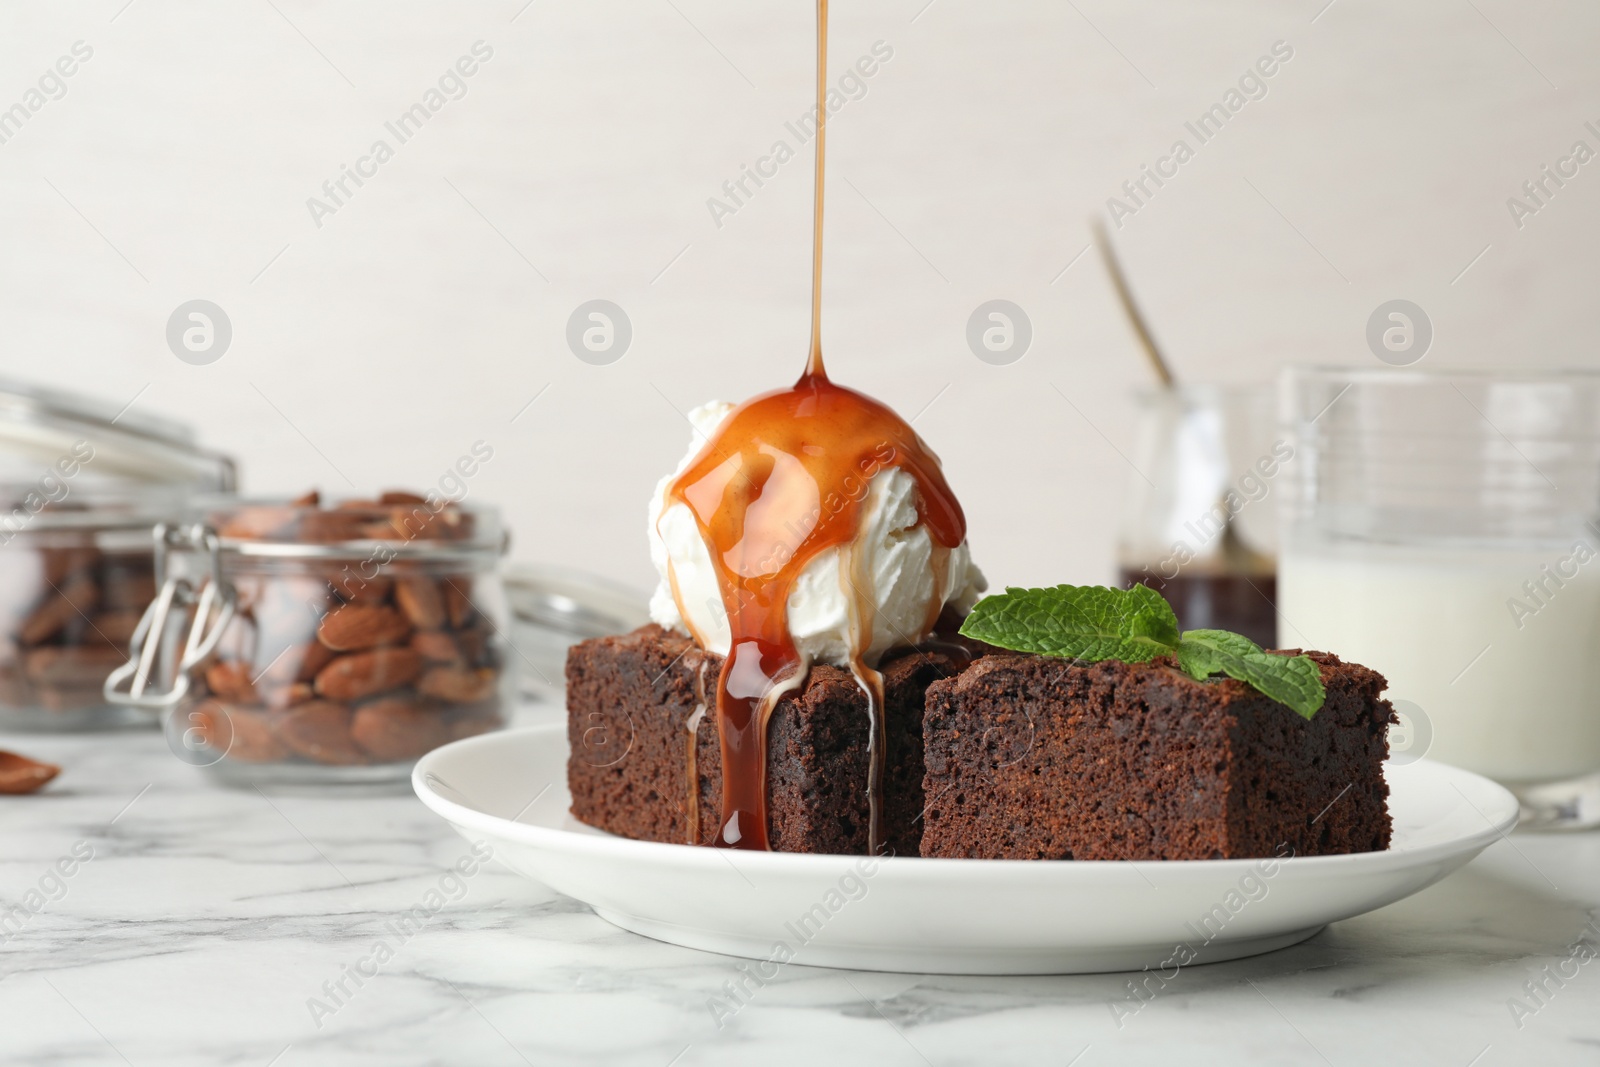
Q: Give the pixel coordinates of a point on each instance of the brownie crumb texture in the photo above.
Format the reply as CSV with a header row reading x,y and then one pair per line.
x,y
1029,757
631,700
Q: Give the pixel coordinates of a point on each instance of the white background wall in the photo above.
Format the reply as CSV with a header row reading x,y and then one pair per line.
x,y
415,321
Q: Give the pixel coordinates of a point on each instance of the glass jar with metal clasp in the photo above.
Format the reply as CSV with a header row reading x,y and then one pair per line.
x,y
81,485
300,645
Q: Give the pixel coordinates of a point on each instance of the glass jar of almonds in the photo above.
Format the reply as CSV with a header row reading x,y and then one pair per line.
x,y
325,645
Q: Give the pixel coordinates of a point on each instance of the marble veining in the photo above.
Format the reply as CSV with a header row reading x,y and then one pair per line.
x,y
214,926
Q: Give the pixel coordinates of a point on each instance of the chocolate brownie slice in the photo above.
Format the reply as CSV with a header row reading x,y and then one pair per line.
x,y
631,701
1030,757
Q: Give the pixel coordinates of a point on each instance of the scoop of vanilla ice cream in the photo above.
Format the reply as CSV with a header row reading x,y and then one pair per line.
x,y
897,565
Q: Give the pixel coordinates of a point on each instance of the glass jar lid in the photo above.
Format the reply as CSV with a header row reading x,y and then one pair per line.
x,y
39,427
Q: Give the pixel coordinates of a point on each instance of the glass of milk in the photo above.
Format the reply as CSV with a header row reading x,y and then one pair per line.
x,y
1442,529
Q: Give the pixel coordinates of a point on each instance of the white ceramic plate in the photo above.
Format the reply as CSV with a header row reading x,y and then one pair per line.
x,y
944,915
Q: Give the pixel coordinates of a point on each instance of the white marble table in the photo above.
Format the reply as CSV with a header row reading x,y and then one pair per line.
x,y
207,920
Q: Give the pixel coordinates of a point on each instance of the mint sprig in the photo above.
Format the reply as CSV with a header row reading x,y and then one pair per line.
x,y
1095,622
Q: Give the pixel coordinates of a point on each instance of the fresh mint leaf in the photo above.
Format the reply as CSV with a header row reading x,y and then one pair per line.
x,y
1094,622
1201,653
1295,681
1088,622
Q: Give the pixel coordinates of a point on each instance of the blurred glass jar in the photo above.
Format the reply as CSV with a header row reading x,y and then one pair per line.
x,y
81,484
1443,531
553,608
325,646
1195,524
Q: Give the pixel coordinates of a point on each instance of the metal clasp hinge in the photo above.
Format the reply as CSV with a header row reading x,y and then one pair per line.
x,y
137,682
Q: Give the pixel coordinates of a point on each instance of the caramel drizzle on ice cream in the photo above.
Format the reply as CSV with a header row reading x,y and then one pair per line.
x,y
780,481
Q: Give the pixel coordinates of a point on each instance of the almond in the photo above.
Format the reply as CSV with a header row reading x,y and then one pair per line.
x,y
71,666
63,563
230,681
314,656
421,601
354,589
114,627
459,685
257,522
407,522
69,602
128,587
356,626
458,604
363,674
474,646
436,646
241,734
395,729
19,774
320,730
277,696
329,527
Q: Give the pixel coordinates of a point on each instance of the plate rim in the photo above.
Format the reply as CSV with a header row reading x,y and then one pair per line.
x,y
601,844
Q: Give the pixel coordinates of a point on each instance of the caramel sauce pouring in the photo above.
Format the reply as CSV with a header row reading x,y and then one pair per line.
x,y
782,480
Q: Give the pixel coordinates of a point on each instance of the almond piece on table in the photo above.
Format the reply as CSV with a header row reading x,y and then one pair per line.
x,y
398,729
355,626
459,685
422,602
320,730
75,599
436,646
19,774
363,674
400,496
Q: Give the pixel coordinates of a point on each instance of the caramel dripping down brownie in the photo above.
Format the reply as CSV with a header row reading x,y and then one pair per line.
x,y
1030,757
631,698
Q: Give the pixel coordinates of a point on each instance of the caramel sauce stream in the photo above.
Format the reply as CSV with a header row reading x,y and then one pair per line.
x,y
783,479
814,362
691,761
